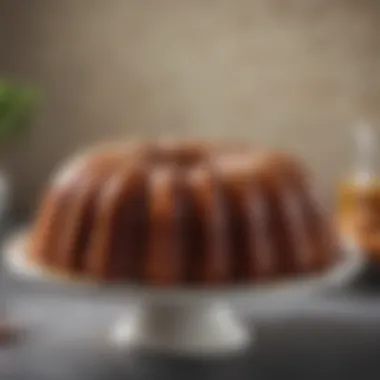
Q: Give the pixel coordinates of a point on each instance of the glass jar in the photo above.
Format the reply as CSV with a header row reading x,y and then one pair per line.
x,y
359,195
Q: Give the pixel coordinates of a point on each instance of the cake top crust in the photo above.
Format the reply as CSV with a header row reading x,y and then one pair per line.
x,y
228,158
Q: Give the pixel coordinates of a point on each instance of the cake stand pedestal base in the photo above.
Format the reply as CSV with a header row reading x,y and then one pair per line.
x,y
201,329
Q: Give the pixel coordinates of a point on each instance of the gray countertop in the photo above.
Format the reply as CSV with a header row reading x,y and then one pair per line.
x,y
335,335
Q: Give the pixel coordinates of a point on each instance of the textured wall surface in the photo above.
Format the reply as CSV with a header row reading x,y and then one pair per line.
x,y
295,74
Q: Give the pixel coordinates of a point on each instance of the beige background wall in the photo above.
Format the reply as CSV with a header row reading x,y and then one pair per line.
x,y
295,73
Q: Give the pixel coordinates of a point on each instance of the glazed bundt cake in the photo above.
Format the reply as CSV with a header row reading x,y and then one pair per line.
x,y
182,213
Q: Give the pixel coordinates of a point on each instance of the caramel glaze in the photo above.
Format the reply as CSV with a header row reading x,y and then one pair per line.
x,y
167,215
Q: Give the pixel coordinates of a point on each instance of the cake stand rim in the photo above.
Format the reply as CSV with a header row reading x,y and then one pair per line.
x,y
17,264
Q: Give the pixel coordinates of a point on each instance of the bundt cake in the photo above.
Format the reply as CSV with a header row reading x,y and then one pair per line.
x,y
176,213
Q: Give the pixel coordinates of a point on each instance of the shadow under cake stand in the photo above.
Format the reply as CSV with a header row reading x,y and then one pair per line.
x,y
186,321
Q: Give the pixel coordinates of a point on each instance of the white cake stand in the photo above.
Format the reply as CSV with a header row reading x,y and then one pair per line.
x,y
185,321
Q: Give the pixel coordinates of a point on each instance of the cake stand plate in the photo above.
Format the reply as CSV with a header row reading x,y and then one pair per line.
x,y
185,321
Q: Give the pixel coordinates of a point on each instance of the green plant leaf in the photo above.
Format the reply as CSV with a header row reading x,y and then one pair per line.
x,y
17,106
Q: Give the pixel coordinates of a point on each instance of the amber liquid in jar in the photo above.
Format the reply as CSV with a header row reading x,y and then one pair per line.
x,y
359,213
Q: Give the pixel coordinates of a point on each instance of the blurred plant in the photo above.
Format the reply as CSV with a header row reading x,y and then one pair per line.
x,y
17,106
